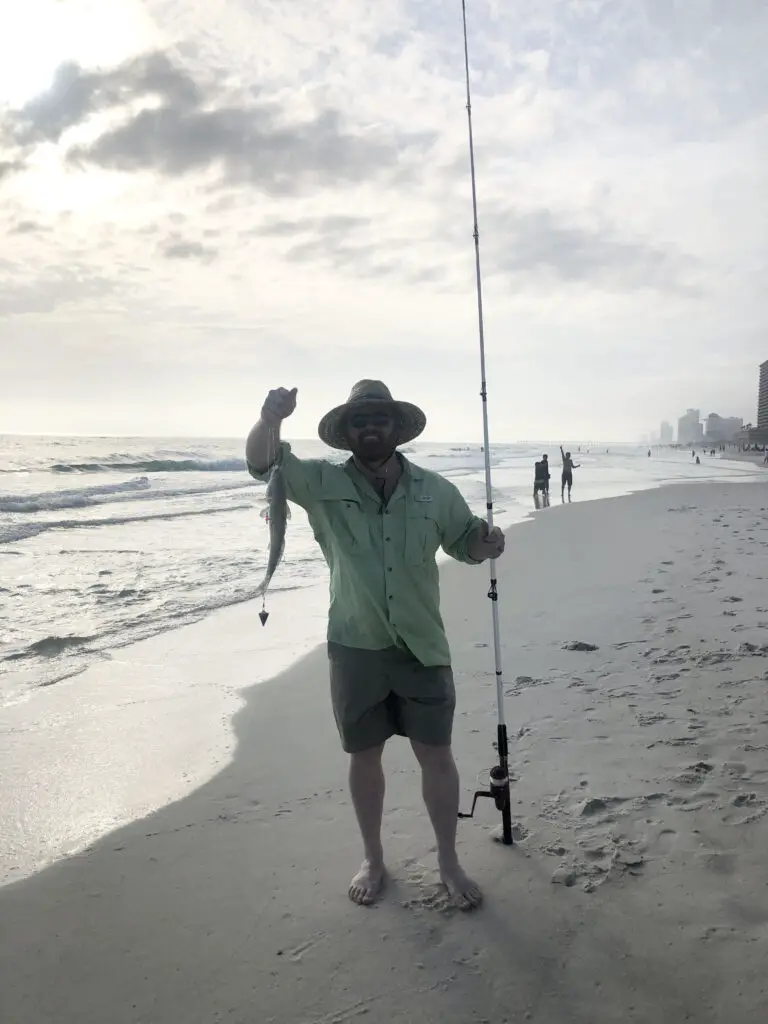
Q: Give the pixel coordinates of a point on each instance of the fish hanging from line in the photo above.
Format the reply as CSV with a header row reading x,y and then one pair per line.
x,y
276,515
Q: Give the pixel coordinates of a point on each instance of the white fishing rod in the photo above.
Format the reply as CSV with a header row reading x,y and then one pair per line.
x,y
499,773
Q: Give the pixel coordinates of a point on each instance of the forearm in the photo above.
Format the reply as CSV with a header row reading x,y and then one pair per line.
x,y
475,553
262,445
466,547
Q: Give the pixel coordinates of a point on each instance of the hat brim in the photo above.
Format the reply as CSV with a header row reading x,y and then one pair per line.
x,y
411,421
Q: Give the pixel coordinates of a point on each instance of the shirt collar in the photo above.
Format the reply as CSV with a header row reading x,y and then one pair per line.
x,y
385,478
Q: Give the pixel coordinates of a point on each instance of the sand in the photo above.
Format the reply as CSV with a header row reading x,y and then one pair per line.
x,y
637,890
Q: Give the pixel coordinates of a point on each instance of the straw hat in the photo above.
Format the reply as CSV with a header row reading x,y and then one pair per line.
x,y
365,394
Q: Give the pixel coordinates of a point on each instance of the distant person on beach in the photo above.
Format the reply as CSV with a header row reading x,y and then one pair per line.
x,y
566,479
541,481
379,520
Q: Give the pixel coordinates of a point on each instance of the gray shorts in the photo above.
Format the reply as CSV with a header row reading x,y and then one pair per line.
x,y
378,694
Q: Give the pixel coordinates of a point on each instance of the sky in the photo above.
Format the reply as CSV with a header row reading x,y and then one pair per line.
x,y
201,201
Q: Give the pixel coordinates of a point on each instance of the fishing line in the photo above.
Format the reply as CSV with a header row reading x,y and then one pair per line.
x,y
498,790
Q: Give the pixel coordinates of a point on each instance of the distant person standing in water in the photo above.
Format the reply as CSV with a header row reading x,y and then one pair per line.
x,y
566,480
541,481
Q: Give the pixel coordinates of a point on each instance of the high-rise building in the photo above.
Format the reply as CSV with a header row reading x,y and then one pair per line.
x,y
762,398
666,434
690,429
723,428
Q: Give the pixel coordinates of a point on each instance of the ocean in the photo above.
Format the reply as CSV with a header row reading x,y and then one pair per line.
x,y
105,541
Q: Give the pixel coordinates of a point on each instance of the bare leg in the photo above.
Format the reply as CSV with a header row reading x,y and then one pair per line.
x,y
440,788
366,786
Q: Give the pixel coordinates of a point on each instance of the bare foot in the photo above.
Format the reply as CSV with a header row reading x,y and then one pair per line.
x,y
367,885
464,893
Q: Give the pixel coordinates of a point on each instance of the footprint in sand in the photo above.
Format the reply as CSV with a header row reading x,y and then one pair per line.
x,y
663,844
695,774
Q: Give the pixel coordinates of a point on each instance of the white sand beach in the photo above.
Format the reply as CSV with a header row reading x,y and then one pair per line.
x,y
637,890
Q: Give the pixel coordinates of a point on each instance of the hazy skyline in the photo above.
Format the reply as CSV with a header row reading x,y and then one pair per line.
x,y
199,202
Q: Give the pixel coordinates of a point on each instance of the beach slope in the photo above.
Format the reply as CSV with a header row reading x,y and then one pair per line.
x,y
636,892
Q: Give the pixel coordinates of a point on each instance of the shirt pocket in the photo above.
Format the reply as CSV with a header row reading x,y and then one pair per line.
x,y
343,517
422,535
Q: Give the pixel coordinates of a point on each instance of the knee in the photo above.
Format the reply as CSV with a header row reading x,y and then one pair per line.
x,y
370,758
437,759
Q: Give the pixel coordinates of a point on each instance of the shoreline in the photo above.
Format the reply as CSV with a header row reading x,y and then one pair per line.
x,y
24,675
144,717
641,796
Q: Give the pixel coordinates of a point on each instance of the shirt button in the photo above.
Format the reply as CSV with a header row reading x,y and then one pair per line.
x,y
387,539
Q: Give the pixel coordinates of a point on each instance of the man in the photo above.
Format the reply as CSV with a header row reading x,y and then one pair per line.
x,y
541,480
379,521
566,480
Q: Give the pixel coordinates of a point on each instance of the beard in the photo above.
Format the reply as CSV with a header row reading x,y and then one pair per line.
x,y
372,448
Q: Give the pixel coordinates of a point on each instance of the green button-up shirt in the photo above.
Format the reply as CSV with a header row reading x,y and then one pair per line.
x,y
384,579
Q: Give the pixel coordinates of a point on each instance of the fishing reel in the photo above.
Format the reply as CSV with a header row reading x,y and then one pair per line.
x,y
498,790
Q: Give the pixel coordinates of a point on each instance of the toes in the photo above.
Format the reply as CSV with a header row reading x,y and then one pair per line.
x,y
474,896
465,897
359,895
364,895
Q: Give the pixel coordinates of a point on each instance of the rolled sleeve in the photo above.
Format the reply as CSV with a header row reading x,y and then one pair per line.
x,y
301,476
458,526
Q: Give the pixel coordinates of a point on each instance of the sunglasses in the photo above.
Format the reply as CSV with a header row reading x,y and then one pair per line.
x,y
361,420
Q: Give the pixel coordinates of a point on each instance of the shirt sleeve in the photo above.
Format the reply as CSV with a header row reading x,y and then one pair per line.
x,y
302,476
458,525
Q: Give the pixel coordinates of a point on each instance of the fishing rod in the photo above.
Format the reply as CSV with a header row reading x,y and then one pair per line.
x,y
498,790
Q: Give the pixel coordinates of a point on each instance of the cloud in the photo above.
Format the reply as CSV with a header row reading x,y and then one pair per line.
x,y
299,173
51,289
28,227
10,167
76,95
180,129
542,246
328,225
251,145
530,241
178,249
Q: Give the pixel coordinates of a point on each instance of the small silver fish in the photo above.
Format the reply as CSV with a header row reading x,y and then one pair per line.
x,y
276,514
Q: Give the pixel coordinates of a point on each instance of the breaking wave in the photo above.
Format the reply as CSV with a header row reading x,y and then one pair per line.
x,y
119,464
77,498
24,531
